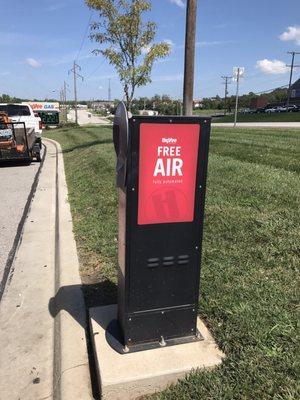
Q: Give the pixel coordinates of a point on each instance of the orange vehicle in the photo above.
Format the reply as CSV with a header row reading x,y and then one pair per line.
x,y
4,118
17,142
6,137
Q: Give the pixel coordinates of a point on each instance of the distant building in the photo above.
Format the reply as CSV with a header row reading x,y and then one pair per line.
x,y
295,93
82,106
197,104
258,102
105,104
150,113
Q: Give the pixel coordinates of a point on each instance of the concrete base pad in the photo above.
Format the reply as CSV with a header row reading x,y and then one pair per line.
x,y
128,376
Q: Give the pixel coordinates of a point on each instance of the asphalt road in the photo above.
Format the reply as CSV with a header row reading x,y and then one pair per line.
x,y
84,119
15,185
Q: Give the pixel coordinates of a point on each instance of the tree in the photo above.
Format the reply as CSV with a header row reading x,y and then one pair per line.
x,y
5,98
130,48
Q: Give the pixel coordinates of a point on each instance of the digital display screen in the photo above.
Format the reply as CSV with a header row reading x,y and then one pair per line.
x,y
167,172
49,118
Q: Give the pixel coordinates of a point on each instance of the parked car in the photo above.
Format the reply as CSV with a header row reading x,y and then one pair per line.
x,y
249,111
261,110
292,108
268,110
24,113
281,109
271,110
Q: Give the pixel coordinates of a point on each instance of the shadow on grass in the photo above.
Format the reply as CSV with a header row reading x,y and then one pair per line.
x,y
86,145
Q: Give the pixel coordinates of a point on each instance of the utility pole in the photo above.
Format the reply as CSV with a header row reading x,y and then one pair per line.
x,y
226,83
65,93
292,66
65,101
75,74
189,60
60,98
109,90
237,95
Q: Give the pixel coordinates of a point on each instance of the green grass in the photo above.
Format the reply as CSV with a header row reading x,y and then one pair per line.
x,y
262,117
208,112
251,253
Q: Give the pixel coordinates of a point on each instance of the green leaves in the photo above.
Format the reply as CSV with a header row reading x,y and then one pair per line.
x,y
127,41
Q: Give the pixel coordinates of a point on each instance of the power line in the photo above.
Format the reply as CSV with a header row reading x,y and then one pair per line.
x,y
96,69
292,66
84,36
271,90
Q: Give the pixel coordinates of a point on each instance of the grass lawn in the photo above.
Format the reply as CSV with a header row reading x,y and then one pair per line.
x,y
275,117
251,253
208,112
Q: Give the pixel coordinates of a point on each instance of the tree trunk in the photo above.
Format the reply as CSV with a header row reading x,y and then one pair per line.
x,y
128,99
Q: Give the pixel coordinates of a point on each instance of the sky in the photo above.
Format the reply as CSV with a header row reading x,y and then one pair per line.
x,y
40,39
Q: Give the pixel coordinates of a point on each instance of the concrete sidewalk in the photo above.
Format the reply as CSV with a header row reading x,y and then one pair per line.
x,y
42,314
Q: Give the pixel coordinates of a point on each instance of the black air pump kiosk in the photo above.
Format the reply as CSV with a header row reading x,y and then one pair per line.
x,y
160,174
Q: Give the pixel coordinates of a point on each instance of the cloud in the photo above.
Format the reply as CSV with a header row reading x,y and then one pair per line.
x,y
208,43
214,43
220,26
67,58
22,40
167,78
271,66
169,42
291,34
146,49
10,39
102,77
55,7
171,46
32,62
178,3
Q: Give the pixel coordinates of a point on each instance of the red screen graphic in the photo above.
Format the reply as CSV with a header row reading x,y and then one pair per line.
x,y
167,172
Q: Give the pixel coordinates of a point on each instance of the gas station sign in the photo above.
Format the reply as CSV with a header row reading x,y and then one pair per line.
x,y
43,106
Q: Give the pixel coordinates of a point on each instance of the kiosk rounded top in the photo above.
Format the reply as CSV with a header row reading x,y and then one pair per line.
x,y
120,129
120,138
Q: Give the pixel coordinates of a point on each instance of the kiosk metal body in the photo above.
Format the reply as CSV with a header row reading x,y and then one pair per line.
x,y
161,175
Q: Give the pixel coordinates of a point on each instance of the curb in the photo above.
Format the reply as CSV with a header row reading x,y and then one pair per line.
x,y
71,378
